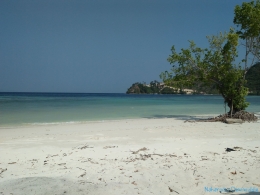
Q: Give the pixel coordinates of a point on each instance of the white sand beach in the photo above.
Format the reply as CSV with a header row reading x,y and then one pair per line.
x,y
139,156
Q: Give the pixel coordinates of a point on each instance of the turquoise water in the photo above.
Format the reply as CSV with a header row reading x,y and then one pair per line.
x,y
45,108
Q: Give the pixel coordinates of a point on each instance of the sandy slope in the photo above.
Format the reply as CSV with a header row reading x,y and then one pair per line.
x,y
144,156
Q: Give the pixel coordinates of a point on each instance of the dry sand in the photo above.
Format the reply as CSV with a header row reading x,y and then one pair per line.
x,y
141,156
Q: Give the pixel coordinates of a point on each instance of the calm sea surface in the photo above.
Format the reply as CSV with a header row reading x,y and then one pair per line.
x,y
45,108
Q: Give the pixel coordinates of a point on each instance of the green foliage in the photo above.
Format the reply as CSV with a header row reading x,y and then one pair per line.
x,y
202,88
168,90
144,89
133,89
213,66
139,88
247,18
155,86
253,79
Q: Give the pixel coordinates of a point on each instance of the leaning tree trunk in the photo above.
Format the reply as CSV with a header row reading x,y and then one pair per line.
x,y
232,108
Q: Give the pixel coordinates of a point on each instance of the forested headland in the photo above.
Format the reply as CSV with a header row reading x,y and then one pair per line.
x,y
156,87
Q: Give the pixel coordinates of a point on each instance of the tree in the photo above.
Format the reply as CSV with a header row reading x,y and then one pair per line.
x,y
247,17
214,65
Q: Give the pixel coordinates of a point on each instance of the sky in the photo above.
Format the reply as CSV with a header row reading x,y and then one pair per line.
x,y
99,46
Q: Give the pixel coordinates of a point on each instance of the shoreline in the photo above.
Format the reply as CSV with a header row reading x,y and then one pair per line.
x,y
174,117
133,156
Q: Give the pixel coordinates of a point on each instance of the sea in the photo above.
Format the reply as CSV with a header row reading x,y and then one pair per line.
x,y
18,109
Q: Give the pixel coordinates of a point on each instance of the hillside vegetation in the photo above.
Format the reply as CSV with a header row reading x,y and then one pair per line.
x,y
253,79
155,87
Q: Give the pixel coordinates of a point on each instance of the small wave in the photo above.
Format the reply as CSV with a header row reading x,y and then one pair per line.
x,y
64,123
257,114
54,123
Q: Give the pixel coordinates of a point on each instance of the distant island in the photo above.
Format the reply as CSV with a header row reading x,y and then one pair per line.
x,y
156,87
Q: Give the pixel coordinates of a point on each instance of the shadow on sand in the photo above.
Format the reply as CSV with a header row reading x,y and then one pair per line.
x,y
179,117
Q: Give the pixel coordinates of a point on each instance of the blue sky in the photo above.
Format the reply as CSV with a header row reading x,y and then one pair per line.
x,y
97,46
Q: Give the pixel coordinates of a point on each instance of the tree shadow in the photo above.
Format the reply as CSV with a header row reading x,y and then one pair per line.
x,y
179,117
